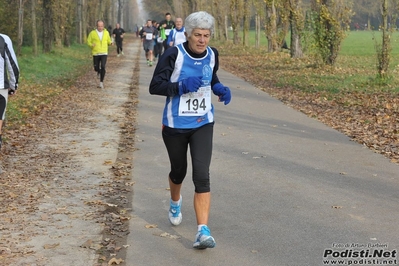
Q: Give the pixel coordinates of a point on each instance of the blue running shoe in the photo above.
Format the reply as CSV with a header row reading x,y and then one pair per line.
x,y
203,239
175,216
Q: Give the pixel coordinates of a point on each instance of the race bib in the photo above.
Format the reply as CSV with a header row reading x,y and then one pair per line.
x,y
160,40
167,31
148,36
196,103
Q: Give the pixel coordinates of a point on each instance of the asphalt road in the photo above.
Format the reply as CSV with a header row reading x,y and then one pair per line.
x,y
286,190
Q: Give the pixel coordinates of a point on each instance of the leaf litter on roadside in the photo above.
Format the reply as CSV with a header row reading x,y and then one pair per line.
x,y
370,118
37,170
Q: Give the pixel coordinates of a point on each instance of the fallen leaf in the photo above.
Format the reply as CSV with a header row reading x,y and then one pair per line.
x,y
108,162
87,244
169,236
12,195
96,246
115,261
151,226
51,246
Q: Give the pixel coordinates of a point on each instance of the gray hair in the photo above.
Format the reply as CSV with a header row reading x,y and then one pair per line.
x,y
199,20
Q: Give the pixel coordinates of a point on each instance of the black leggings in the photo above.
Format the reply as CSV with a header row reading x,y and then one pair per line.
x,y
165,44
99,62
200,141
119,47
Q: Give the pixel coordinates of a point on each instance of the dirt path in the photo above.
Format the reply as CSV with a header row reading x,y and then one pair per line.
x,y
66,184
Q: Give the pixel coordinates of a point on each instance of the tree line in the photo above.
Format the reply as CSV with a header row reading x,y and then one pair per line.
x,y
51,23
59,23
321,24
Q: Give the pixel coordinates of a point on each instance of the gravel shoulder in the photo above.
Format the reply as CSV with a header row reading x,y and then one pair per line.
x,y
66,180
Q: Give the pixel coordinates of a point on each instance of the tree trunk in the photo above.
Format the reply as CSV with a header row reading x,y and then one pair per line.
x,y
257,31
219,20
226,27
384,53
330,22
247,19
295,11
34,28
120,11
368,23
84,21
331,46
47,26
68,26
235,18
57,29
20,26
271,28
79,24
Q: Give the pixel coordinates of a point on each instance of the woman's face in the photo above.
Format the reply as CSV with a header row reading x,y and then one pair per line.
x,y
198,41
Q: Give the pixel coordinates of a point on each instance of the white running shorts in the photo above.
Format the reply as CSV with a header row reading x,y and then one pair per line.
x,y
3,103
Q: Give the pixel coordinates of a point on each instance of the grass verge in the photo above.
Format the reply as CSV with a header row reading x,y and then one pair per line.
x,y
346,96
42,78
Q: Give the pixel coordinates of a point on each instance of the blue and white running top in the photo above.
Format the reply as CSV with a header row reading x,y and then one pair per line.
x,y
177,36
190,110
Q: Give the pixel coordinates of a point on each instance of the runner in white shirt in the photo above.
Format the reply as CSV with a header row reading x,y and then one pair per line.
x,y
177,35
9,75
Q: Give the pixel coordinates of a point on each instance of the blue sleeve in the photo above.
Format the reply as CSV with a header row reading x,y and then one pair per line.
x,y
160,83
170,37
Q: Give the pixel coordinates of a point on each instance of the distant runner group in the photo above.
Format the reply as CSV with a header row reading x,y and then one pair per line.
x,y
158,37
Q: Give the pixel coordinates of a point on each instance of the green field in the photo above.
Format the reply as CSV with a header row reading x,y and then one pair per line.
x,y
356,42
355,68
362,43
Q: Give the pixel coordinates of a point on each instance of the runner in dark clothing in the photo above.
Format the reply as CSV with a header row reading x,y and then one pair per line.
x,y
165,27
118,34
